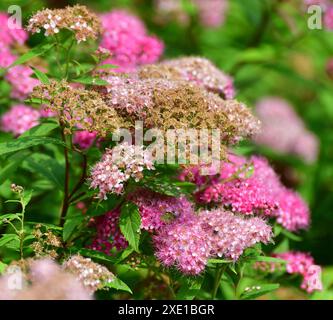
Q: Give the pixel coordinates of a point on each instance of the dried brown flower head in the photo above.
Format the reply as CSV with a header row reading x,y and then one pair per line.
x,y
78,108
78,19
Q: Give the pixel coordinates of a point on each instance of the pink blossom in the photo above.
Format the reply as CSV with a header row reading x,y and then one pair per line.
x,y
22,83
10,36
250,187
108,234
156,210
188,242
212,12
125,36
328,18
84,139
284,131
117,166
19,119
6,57
303,264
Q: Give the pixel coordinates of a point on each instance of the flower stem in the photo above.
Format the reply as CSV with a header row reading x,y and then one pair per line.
x,y
65,204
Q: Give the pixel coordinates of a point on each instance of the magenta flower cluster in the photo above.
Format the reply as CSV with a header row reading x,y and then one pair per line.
x,y
19,119
250,187
303,264
108,235
125,36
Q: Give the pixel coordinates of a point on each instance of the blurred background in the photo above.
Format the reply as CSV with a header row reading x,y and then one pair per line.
x,y
276,60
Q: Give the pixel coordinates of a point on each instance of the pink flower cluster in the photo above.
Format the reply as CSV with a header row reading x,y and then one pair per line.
x,y
10,36
284,131
125,36
157,210
19,76
303,264
188,243
108,234
84,138
117,166
212,12
22,82
19,119
250,187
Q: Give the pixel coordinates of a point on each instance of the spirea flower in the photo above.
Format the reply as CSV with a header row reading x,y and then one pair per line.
x,y
92,275
284,131
84,138
183,244
229,235
212,12
328,17
117,166
188,242
78,19
293,212
170,10
304,265
156,102
6,57
47,281
19,119
10,36
157,210
125,36
197,70
250,187
78,108
108,235
22,82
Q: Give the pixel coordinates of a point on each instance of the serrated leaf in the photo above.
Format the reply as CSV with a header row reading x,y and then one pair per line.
x,y
14,162
27,194
7,238
118,285
96,255
291,235
8,216
219,261
130,222
267,259
40,130
25,143
36,51
70,225
257,291
41,75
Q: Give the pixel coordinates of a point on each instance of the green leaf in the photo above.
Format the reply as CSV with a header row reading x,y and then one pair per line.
x,y
26,142
46,166
14,162
8,216
36,51
70,225
107,66
259,290
189,288
267,259
41,130
130,222
219,261
91,81
3,266
7,238
96,255
118,285
163,187
291,235
27,194
41,75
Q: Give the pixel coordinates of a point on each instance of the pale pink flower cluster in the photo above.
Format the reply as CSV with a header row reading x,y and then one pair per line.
x,y
212,12
284,131
168,10
204,73
189,242
84,138
108,234
304,265
19,119
157,210
328,18
251,187
117,166
125,36
47,281
22,82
